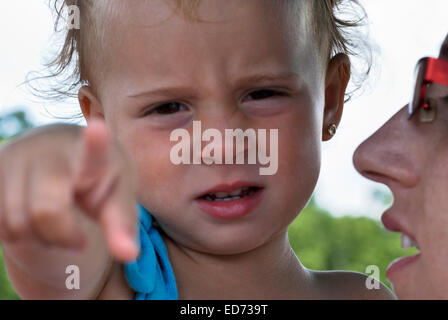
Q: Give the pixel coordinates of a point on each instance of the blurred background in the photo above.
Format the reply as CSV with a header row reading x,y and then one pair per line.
x,y
340,228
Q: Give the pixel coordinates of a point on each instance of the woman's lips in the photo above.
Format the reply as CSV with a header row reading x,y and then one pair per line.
x,y
216,204
392,222
399,264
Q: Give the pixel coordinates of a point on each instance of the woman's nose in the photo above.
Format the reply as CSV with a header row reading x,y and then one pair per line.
x,y
386,156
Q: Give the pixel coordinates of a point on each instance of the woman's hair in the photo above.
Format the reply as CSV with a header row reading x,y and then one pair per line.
x,y
444,49
336,22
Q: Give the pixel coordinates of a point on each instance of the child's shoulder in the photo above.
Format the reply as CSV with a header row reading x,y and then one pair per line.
x,y
349,285
116,286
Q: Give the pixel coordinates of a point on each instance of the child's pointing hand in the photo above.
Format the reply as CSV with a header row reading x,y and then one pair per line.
x,y
105,190
51,174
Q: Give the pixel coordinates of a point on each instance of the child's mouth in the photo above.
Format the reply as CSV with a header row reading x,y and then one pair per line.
x,y
230,202
230,196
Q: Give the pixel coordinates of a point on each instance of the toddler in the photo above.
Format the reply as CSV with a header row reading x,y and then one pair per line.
x,y
73,196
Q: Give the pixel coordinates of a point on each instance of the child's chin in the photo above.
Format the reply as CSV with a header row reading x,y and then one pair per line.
x,y
231,244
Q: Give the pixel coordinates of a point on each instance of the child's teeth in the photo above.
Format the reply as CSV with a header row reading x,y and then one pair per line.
x,y
236,192
234,195
221,194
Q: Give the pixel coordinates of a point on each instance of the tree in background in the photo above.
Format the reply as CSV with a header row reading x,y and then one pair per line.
x,y
6,290
324,242
11,125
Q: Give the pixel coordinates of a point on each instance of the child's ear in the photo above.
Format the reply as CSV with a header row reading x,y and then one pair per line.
x,y
336,81
90,106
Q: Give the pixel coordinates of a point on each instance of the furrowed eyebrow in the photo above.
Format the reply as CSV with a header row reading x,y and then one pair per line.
x,y
273,77
166,91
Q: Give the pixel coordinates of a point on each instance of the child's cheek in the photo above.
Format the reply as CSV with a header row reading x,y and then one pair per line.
x,y
299,159
157,178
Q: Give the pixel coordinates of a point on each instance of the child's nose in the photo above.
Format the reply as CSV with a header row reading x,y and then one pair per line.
x,y
213,131
386,156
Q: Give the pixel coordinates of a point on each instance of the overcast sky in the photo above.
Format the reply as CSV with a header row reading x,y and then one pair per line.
x,y
404,31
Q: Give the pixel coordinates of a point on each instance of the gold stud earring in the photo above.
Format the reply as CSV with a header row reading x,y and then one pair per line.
x,y
332,129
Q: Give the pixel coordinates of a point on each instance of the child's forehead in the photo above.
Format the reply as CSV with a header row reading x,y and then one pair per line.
x,y
151,40
213,21
165,21
116,11
191,6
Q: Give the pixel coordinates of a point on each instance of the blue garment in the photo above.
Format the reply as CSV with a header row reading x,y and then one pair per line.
x,y
151,276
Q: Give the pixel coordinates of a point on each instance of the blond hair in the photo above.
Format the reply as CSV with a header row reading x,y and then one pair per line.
x,y
69,68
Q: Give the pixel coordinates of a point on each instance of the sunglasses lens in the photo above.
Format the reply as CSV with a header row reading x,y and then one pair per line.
x,y
417,98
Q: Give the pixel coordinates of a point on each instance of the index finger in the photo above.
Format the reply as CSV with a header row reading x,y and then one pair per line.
x,y
118,218
94,157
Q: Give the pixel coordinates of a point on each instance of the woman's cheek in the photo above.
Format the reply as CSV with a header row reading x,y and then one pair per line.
x,y
432,224
433,244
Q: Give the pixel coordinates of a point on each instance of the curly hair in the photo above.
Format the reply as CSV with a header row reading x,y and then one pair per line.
x,y
335,22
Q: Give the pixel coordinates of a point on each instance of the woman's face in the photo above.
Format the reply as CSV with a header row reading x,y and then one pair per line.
x,y
411,158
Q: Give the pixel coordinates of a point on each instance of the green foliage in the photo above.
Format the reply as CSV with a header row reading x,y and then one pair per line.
x,y
6,290
324,242
13,124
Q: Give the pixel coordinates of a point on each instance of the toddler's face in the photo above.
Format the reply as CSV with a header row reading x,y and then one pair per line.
x,y
245,67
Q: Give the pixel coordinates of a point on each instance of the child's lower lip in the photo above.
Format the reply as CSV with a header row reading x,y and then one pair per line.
x,y
399,264
231,209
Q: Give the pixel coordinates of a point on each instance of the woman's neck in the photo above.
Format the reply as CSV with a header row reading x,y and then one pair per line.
x,y
270,271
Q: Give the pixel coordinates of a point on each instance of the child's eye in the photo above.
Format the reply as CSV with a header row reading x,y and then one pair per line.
x,y
263,94
167,108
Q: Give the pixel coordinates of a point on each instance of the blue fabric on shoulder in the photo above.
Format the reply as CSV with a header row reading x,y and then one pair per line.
x,y
151,275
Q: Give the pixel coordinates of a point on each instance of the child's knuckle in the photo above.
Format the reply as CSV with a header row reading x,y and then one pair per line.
x,y
18,227
42,213
5,235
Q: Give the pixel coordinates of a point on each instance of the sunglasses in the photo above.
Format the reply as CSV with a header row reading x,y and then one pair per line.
x,y
428,71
